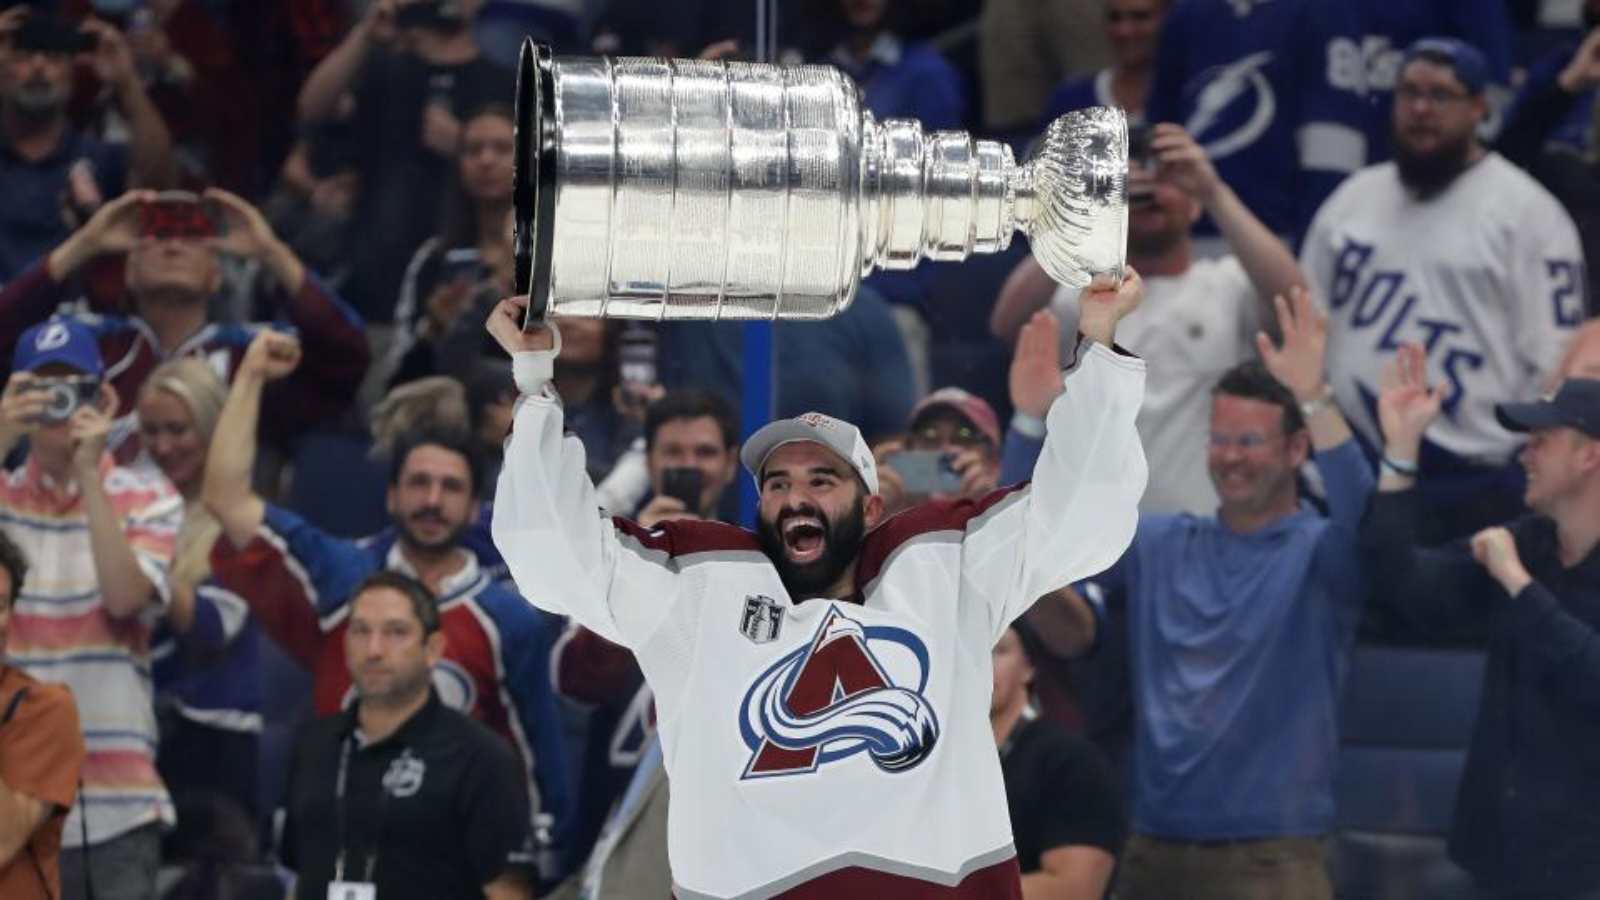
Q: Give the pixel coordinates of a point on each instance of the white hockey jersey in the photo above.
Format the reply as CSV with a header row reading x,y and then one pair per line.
x,y
1488,276
830,748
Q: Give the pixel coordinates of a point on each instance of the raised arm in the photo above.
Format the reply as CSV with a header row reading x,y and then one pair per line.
x,y
612,578
232,457
1266,259
1557,648
1027,290
127,582
149,141
319,98
1435,588
1078,515
335,351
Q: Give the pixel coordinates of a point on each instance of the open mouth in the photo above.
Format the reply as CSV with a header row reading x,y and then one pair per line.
x,y
804,539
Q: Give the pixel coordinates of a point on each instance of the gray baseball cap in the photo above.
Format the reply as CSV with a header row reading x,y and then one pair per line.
x,y
836,434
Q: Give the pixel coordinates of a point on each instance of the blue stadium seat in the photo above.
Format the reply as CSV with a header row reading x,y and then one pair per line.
x,y
1407,721
336,487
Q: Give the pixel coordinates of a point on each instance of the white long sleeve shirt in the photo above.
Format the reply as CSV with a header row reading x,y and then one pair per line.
x,y
839,746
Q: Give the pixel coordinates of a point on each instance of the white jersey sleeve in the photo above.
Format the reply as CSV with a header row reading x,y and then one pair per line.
x,y
1547,257
565,555
1078,515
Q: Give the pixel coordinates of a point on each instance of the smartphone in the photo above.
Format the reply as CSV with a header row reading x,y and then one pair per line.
x,y
177,214
683,484
925,472
465,264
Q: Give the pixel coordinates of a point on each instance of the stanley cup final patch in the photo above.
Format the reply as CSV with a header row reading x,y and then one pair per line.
x,y
762,619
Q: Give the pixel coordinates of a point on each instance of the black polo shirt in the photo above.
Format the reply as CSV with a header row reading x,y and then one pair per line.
x,y
438,807
1060,793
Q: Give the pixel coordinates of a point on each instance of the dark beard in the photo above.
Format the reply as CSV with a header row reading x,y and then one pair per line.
x,y
1428,174
842,541
451,538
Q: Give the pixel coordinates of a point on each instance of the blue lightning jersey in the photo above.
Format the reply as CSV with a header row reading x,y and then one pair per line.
x,y
1273,90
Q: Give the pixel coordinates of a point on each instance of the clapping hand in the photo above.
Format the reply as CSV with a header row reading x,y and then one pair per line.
x,y
1035,377
1582,72
1406,404
1298,364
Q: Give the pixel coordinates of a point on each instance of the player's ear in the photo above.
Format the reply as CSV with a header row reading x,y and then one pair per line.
x,y
434,647
873,510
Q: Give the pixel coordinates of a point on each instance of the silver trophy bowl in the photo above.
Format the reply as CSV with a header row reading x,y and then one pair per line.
x,y
684,189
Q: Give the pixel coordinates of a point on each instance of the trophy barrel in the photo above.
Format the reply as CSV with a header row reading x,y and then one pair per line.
x,y
685,189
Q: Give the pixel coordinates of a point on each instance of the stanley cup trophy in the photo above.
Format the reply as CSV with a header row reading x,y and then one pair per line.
x,y
684,189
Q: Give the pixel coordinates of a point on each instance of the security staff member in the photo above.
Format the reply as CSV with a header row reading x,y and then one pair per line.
x,y
399,796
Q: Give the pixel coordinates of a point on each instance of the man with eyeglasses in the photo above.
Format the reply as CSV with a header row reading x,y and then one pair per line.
x,y
1452,247
951,451
1239,629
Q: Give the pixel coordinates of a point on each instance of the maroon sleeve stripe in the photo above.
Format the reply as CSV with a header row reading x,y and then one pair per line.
x,y
927,518
682,537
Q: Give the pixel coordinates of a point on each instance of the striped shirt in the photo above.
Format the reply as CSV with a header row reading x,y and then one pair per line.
x,y
60,632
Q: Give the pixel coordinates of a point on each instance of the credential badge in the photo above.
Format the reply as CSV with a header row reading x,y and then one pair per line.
x,y
762,619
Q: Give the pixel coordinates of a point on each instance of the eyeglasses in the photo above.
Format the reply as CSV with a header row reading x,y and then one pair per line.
x,y
1245,442
964,436
1409,94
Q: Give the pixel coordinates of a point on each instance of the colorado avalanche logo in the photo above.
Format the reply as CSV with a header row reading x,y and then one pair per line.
x,y
835,697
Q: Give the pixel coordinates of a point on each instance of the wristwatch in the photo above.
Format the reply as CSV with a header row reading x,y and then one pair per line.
x,y
1316,404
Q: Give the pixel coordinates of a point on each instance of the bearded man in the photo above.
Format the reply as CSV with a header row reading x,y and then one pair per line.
x,y
1452,247
822,686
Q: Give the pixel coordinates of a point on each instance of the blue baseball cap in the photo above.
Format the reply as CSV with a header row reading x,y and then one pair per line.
x,y
59,340
1575,405
1471,69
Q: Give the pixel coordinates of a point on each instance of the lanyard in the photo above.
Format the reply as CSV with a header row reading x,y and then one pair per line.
x,y
341,811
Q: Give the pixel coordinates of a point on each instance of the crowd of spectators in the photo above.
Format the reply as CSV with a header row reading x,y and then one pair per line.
x,y
252,427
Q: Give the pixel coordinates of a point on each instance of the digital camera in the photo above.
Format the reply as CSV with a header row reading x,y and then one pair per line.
x,y
64,395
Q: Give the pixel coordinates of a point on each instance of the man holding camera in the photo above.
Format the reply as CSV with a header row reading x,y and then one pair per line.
x,y
692,451
173,241
951,450
101,538
52,175
414,71
41,753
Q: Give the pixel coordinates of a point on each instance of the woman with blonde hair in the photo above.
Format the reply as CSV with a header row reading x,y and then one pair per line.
x,y
207,666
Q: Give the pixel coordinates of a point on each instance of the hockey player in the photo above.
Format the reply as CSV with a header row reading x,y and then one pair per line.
x,y
1451,246
823,685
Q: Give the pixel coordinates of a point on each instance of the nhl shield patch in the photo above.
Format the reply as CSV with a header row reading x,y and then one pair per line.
x,y
762,619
